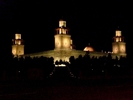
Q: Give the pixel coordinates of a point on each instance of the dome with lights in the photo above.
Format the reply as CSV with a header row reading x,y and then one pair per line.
x,y
88,48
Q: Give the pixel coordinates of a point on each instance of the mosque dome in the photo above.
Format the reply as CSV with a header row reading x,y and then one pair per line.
x,y
88,48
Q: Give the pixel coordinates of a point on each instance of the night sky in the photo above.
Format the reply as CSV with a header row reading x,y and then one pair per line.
x,y
89,22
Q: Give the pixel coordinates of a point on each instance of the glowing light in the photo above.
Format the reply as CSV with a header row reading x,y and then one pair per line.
x,y
19,42
117,39
60,31
88,49
118,33
17,36
60,65
120,39
71,41
62,23
14,51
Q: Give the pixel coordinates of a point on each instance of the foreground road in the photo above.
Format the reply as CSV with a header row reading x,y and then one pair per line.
x,y
66,91
61,87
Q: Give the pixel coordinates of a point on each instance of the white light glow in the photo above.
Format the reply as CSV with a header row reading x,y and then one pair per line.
x,y
17,36
118,33
62,23
61,65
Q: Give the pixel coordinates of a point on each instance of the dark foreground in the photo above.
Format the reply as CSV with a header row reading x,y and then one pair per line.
x,y
65,88
65,91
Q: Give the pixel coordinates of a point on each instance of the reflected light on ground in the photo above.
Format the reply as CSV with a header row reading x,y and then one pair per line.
x,y
61,65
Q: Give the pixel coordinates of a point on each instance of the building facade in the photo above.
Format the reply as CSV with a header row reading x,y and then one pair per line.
x,y
18,46
64,46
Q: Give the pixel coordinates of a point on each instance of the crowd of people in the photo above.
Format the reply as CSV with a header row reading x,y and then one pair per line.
x,y
15,67
82,66
104,65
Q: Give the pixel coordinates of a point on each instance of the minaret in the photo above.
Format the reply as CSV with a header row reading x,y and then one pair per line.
x,y
18,46
118,45
62,38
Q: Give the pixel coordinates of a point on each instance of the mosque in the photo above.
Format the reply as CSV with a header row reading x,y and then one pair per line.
x,y
64,48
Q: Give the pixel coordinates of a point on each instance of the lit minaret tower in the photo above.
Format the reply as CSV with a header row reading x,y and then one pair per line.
x,y
18,46
62,38
118,45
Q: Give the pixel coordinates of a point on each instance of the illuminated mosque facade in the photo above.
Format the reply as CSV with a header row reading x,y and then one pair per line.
x,y
64,46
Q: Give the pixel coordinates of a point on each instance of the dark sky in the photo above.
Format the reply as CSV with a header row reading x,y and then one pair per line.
x,y
89,22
